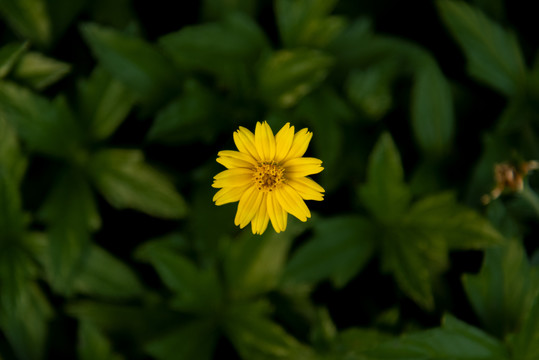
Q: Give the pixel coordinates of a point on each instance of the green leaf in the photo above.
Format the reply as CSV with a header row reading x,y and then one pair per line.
x,y
27,337
208,240
42,124
134,62
526,342
12,161
493,54
307,22
93,345
493,8
325,103
107,277
370,89
11,217
193,340
16,270
517,117
323,330
70,212
480,343
253,264
71,190
415,259
428,177
174,241
288,75
9,55
39,71
385,194
325,112
377,48
503,291
416,249
357,340
126,181
135,323
68,242
454,340
217,48
104,103
343,46
197,290
188,117
432,110
63,13
340,248
460,226
29,18
255,336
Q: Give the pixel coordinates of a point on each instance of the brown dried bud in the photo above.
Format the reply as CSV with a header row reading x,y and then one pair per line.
x,y
509,178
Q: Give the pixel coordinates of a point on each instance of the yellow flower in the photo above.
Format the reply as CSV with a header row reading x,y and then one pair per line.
x,y
268,176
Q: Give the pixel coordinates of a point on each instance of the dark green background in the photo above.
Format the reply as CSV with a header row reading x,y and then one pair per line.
x,y
111,117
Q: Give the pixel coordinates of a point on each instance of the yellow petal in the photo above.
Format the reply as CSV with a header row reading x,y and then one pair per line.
x,y
307,188
276,213
305,171
298,167
233,178
229,194
261,219
299,144
310,183
302,161
244,200
283,141
233,172
253,210
233,163
290,201
284,217
238,156
264,141
248,206
245,142
259,141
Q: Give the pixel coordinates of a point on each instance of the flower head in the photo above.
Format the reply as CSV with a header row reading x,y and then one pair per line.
x,y
268,177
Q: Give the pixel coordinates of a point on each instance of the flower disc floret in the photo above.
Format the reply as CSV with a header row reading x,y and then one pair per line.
x,y
268,175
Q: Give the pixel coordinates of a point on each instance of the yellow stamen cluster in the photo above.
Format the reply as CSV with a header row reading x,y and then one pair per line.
x,y
268,176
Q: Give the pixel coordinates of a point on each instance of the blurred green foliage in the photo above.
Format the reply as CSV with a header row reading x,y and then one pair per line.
x,y
110,122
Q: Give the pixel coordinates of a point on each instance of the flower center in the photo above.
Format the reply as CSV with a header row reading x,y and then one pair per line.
x,y
268,175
